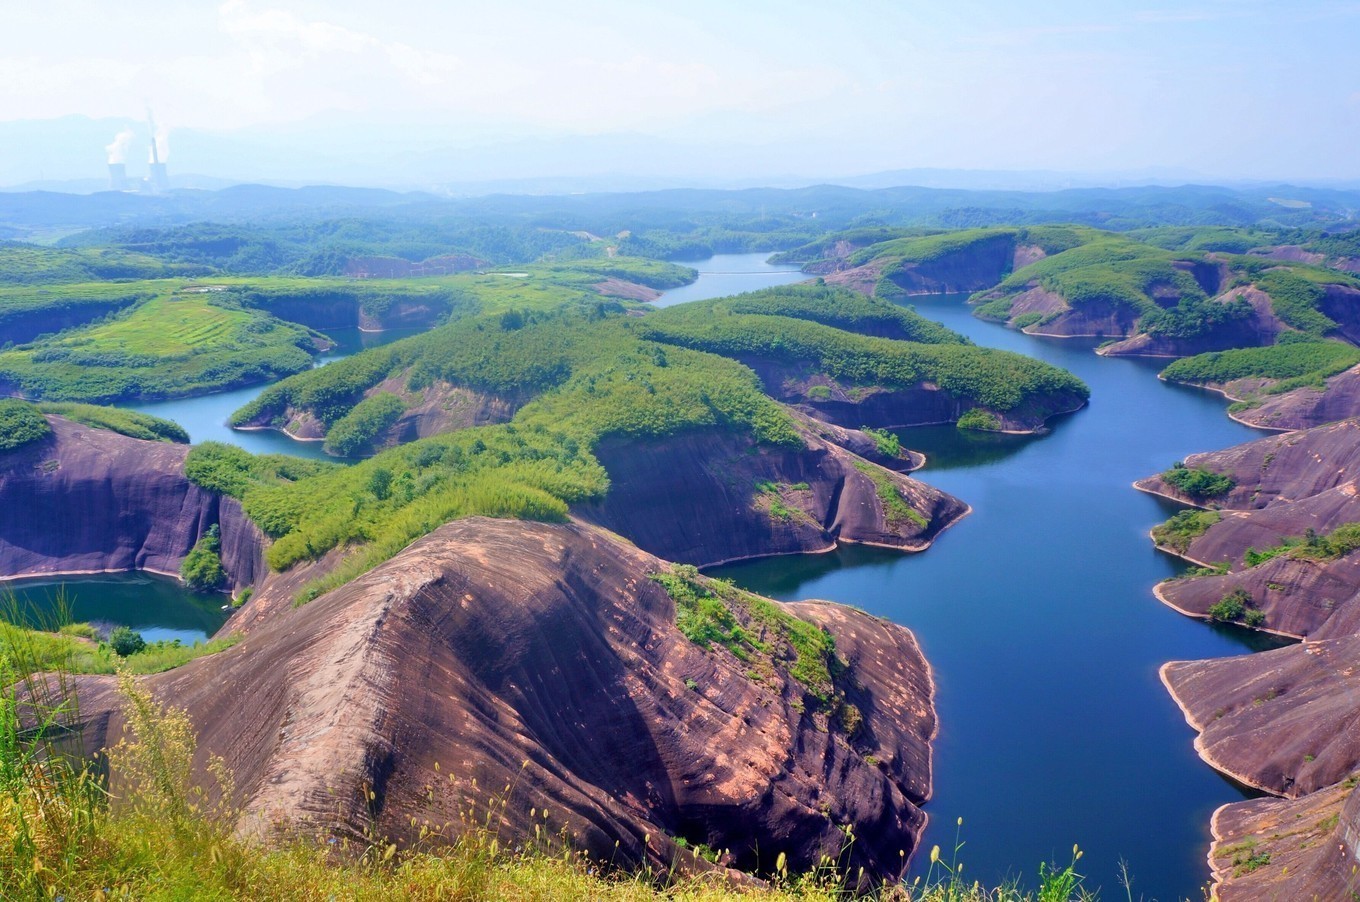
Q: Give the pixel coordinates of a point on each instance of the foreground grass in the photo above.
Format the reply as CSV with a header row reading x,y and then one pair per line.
x,y
148,828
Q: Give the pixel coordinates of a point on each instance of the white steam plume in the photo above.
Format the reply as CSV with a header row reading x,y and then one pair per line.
x,y
162,140
118,150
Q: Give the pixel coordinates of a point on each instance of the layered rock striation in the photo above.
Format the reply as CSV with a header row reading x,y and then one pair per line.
x,y
1284,721
542,658
90,501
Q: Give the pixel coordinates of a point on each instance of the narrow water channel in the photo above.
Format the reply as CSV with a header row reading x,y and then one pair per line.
x,y
1036,614
205,417
159,607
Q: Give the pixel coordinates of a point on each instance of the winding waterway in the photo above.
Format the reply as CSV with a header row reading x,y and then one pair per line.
x,y
1036,614
159,607
1035,611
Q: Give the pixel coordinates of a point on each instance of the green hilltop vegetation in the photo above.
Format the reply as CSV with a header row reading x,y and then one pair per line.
x,y
826,247
938,246
829,306
116,419
20,424
1296,362
27,312
582,377
611,369
150,340
1105,268
988,378
175,344
1199,239
26,264
592,379
1163,277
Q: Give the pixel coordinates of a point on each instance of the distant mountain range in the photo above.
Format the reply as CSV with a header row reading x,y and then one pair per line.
x,y
69,155
48,215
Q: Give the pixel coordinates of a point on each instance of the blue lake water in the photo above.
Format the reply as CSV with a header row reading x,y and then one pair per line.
x,y
205,417
158,607
1036,614
724,274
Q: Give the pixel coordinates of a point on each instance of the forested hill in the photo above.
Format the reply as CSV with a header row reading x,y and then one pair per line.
x,y
787,213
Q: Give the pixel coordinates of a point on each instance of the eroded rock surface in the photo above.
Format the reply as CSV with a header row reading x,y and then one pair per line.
x,y
497,653
711,496
1286,721
89,500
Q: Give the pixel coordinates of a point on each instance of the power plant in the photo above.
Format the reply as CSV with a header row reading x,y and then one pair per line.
x,y
157,180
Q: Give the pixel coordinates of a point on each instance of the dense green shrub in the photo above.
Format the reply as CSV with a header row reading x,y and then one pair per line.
x,y
1294,362
125,641
979,419
896,511
887,444
202,568
366,422
1198,483
997,380
713,611
836,307
1310,546
1178,532
1104,268
1231,607
1295,299
21,423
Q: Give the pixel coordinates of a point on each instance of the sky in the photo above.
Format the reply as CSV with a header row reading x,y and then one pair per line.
x,y
1227,88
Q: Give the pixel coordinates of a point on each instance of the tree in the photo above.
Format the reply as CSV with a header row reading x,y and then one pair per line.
x,y
124,641
380,483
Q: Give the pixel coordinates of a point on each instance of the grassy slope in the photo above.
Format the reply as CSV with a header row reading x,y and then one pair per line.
x,y
584,355
1107,268
170,340
997,380
172,345
607,384
1288,365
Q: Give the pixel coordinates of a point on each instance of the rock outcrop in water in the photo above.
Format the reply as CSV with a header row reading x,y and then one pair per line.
x,y
498,653
1301,408
91,500
1286,720
713,496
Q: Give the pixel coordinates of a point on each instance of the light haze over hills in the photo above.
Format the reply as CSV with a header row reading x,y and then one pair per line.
x,y
606,95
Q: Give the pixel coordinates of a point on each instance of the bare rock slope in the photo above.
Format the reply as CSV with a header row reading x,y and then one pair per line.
x,y
90,500
499,653
1285,721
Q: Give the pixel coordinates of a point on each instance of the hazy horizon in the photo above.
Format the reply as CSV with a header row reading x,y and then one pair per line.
x,y
428,95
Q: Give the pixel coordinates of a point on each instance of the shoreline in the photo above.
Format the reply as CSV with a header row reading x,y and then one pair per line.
x,y
1157,593
55,575
1199,738
294,437
1276,430
836,544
